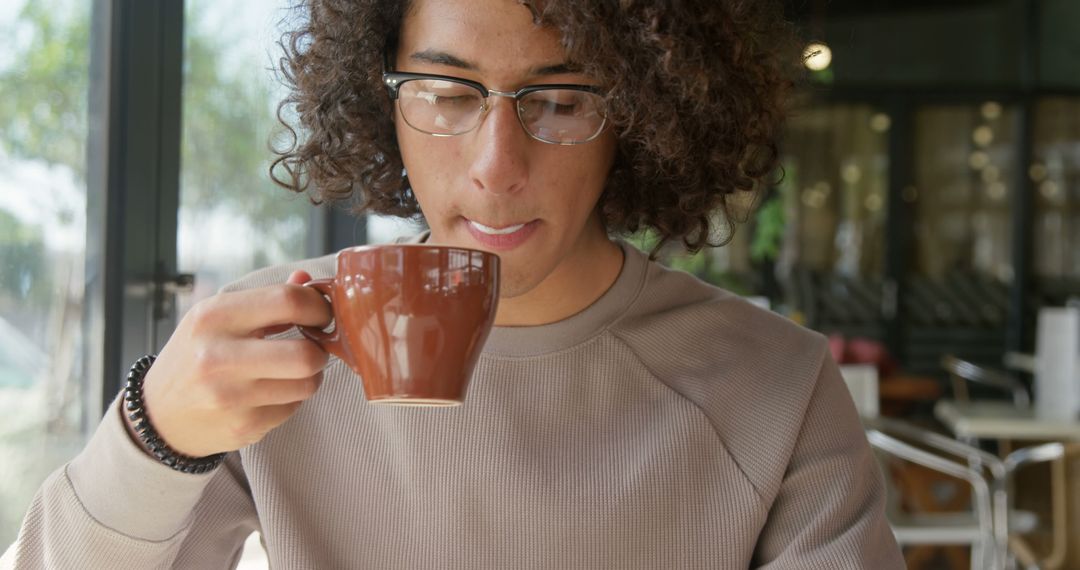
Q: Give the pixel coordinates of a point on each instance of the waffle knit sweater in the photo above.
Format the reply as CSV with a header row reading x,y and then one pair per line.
x,y
669,425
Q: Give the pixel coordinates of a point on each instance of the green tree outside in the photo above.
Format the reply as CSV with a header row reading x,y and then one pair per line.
x,y
44,80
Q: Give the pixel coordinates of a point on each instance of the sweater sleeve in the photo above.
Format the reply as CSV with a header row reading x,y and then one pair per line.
x,y
829,512
115,507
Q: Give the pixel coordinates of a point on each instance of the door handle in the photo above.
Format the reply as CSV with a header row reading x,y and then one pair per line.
x,y
166,287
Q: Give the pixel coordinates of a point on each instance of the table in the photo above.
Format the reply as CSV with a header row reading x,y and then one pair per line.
x,y
1003,420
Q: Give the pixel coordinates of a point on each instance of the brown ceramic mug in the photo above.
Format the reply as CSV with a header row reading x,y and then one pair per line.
x,y
410,319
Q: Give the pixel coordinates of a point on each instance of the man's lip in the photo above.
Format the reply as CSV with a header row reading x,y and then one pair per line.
x,y
498,226
501,242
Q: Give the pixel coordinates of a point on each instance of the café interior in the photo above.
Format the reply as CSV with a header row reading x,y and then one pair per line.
x,y
927,221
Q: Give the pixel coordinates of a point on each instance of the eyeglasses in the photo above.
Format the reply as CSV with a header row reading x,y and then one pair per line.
x,y
446,106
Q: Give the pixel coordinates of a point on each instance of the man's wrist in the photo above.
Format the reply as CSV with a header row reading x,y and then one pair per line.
x,y
129,427
134,410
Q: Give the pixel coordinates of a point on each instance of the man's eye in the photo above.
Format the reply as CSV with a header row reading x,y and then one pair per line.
x,y
453,100
565,108
552,107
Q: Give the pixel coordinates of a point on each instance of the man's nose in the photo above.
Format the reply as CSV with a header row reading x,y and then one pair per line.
x,y
500,160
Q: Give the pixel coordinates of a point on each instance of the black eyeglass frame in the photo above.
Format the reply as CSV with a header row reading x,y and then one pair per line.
x,y
393,81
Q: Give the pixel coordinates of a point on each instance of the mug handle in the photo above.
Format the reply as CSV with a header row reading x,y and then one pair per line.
x,y
329,341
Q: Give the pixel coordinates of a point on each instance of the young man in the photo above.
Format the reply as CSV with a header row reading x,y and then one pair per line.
x,y
621,416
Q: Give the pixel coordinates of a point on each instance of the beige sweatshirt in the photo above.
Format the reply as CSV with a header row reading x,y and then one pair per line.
x,y
669,425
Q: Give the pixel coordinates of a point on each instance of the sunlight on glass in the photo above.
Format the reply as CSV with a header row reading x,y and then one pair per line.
x,y
233,218
43,128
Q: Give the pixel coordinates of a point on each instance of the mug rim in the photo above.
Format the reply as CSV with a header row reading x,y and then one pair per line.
x,y
362,248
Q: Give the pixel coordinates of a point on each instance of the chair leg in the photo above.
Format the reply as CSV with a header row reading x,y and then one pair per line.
x,y
1022,552
1059,514
918,556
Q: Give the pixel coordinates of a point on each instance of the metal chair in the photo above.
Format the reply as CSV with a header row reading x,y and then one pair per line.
x,y
1020,361
1017,546
967,463
975,529
961,371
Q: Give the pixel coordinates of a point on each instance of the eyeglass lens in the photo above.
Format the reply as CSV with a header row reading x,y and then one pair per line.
x,y
561,116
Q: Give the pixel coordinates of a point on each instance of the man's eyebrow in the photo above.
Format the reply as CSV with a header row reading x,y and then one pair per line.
x,y
437,57
557,69
441,58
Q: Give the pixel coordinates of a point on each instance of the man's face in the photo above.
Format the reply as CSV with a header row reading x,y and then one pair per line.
x,y
496,175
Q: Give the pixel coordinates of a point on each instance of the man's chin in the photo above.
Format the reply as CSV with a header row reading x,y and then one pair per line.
x,y
514,288
515,283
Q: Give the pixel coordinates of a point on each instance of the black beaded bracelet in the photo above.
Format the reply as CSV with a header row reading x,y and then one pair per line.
x,y
133,403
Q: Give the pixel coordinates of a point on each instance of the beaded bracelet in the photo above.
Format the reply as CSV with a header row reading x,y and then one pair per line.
x,y
133,398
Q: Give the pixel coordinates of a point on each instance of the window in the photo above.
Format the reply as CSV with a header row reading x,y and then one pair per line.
x,y
1055,173
966,160
233,218
836,171
44,74
965,175
834,192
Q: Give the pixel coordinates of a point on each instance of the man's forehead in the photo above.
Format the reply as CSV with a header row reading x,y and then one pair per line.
x,y
487,36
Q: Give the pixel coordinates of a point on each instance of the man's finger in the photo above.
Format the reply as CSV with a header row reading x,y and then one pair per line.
x,y
298,277
253,311
277,391
282,358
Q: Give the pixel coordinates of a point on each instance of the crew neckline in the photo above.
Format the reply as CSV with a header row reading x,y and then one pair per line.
x,y
537,340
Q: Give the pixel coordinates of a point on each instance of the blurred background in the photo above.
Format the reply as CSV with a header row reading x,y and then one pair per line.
x,y
928,220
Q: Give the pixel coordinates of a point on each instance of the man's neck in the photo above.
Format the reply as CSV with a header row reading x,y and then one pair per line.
x,y
570,289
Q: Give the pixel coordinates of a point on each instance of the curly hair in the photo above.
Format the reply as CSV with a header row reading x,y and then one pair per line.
x,y
696,92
